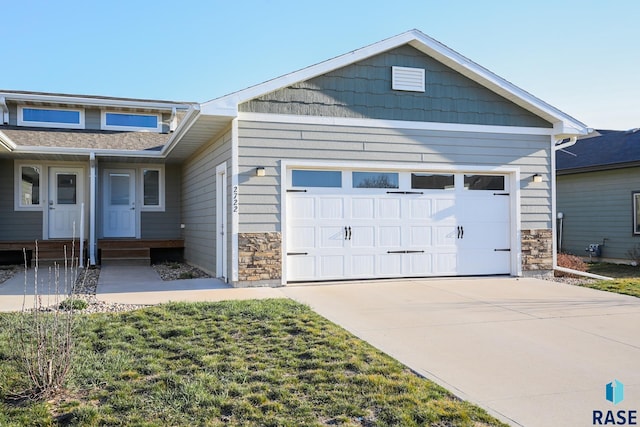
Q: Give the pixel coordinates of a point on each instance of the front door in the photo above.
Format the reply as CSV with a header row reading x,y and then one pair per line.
x,y
119,203
66,194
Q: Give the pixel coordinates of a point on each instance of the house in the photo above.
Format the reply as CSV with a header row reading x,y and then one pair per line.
x,y
399,159
598,195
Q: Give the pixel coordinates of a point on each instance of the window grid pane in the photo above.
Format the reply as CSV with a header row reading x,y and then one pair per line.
x,y
151,184
66,189
310,178
375,180
131,120
426,181
484,182
30,186
50,116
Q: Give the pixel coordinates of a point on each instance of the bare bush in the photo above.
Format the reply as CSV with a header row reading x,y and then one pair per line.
x,y
44,332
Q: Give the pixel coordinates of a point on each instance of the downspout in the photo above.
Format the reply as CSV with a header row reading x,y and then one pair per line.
x,y
5,110
92,209
555,146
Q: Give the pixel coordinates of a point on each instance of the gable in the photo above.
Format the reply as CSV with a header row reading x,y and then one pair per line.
x,y
364,90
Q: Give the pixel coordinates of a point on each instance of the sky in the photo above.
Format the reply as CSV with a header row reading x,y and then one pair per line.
x,y
582,57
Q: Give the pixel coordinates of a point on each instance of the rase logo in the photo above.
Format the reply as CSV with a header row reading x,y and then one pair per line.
x,y
614,393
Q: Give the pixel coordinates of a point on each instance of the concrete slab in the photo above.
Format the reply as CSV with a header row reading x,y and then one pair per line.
x,y
15,292
533,353
143,285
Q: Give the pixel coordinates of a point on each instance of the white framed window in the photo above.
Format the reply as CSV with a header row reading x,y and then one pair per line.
x,y
71,118
29,183
152,188
126,121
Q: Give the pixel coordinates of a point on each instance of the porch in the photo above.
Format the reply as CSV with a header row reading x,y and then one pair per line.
x,y
48,251
139,251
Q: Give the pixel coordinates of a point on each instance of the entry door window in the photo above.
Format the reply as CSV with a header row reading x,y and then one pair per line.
x,y
67,189
119,189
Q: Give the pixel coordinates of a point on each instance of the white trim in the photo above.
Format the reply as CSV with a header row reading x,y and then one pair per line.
x,y
93,243
235,201
425,44
93,101
221,221
513,174
17,187
392,124
161,188
22,122
105,126
6,142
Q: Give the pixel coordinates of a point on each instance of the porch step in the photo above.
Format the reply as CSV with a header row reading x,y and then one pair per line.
x,y
125,256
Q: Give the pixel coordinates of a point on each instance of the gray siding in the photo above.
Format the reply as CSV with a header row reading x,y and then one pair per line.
x,y
199,203
13,113
598,205
363,90
15,225
92,118
265,144
165,225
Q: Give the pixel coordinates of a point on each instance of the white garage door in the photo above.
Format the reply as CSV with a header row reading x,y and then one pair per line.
x,y
369,224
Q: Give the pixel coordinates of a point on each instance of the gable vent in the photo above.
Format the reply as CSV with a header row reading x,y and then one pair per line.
x,y
405,78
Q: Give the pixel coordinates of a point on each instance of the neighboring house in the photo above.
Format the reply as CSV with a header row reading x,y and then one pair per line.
x,y
399,159
599,194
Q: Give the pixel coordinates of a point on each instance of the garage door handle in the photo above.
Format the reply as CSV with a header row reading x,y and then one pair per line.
x,y
461,232
405,252
297,253
405,192
349,233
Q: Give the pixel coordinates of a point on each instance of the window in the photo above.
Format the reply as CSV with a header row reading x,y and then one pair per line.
x,y
375,180
484,182
50,117
429,181
151,184
29,181
636,213
131,121
66,189
153,189
310,178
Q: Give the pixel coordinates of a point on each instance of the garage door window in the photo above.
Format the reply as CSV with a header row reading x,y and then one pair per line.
x,y
427,181
484,182
310,178
375,180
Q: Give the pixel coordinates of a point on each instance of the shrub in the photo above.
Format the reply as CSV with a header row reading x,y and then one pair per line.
x,y
73,304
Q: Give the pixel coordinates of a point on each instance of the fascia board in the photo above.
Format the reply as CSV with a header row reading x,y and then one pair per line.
x,y
61,99
86,151
186,123
7,142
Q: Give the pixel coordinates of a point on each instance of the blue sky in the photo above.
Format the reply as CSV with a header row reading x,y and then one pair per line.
x,y
580,56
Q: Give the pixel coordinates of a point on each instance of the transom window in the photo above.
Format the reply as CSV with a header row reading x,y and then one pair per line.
x,y
131,121
375,179
312,178
484,182
429,181
50,117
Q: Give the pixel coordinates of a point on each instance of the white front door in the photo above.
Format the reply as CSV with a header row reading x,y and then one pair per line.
x,y
119,203
66,194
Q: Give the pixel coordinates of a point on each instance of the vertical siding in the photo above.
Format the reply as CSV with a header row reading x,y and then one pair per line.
x,y
165,225
265,144
15,225
363,90
199,202
598,205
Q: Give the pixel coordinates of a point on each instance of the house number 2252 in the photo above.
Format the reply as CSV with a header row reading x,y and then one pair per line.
x,y
235,199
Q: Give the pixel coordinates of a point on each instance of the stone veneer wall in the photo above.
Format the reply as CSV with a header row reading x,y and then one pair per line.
x,y
537,252
260,258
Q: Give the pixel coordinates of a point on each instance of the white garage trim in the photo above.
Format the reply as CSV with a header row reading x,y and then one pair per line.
x,y
512,175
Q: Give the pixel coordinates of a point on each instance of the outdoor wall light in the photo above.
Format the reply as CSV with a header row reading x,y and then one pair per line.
x,y
536,178
260,171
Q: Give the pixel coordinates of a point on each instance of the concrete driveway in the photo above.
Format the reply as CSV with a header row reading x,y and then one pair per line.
x,y
531,352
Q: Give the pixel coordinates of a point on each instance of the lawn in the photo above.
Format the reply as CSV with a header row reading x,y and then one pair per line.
x,y
267,363
627,278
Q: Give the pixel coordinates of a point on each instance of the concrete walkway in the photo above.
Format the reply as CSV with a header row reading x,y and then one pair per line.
x,y
531,352
142,285
14,292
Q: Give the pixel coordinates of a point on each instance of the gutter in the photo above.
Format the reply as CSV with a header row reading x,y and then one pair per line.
x,y
564,145
188,120
7,143
582,273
